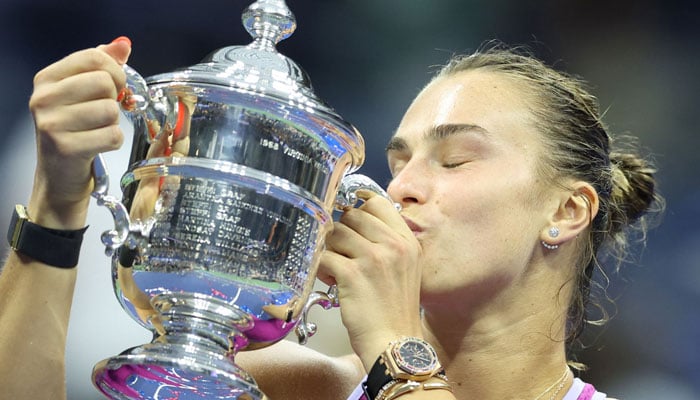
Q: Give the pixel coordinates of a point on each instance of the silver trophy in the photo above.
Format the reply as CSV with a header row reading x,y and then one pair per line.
x,y
235,170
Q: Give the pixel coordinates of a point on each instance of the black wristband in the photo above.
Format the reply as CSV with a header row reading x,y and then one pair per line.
x,y
127,256
57,248
377,377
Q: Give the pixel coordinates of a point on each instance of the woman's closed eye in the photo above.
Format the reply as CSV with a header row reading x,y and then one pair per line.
x,y
454,163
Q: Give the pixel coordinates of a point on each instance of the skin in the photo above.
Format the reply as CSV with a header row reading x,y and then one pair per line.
x,y
76,116
466,245
464,166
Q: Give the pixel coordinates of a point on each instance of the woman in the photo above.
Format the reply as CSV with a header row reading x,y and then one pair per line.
x,y
508,190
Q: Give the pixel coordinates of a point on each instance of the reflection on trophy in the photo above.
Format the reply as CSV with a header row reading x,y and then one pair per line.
x,y
235,170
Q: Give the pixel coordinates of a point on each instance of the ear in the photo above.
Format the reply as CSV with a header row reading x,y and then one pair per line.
x,y
577,208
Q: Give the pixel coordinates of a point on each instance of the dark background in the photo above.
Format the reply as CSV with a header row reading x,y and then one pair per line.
x,y
367,59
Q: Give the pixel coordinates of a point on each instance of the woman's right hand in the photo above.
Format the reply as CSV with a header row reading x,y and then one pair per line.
x,y
374,259
76,116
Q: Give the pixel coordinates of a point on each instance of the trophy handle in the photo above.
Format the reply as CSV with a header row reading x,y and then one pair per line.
x,y
306,329
114,238
159,113
155,108
346,197
351,184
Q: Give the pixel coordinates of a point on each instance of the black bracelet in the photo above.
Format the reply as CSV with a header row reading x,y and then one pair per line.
x,y
53,247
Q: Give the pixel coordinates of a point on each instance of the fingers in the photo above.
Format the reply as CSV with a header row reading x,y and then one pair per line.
x,y
119,49
74,102
82,129
95,114
76,116
346,241
376,219
328,258
79,62
84,86
86,144
377,272
374,234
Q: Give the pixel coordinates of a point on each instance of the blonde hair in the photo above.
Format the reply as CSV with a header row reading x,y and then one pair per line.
x,y
577,146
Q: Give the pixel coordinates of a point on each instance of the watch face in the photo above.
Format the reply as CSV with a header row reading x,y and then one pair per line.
x,y
415,356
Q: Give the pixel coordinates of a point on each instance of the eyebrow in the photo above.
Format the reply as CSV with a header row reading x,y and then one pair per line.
x,y
437,133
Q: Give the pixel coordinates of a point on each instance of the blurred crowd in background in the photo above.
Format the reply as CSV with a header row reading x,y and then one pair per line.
x,y
368,59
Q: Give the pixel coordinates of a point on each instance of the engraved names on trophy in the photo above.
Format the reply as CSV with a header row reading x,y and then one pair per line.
x,y
216,226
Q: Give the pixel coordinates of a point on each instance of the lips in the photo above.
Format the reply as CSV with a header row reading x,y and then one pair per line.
x,y
415,228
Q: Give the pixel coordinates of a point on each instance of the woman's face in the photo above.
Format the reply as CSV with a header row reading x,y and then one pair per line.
x,y
463,165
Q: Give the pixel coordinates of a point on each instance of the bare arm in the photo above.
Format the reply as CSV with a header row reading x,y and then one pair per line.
x,y
76,116
288,371
35,305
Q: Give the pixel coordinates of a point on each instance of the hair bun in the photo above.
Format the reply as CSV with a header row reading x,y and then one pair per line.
x,y
633,189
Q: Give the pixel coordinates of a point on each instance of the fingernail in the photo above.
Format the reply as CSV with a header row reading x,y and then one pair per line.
x,y
180,121
122,39
122,95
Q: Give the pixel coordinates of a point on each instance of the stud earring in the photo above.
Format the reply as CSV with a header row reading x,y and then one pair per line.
x,y
553,232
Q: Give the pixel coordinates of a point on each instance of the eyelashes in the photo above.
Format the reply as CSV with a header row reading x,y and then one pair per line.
x,y
453,164
396,168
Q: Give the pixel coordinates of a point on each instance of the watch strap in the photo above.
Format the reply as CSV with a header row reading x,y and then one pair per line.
x,y
54,247
377,378
386,370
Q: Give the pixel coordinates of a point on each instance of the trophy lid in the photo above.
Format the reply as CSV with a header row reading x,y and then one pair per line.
x,y
258,69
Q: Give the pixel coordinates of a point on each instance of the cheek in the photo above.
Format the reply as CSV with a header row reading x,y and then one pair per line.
x,y
495,208
468,223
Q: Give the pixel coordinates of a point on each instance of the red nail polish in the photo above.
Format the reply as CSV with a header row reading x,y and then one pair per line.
x,y
180,123
122,39
122,95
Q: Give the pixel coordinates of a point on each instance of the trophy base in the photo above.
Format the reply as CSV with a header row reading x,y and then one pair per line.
x,y
173,371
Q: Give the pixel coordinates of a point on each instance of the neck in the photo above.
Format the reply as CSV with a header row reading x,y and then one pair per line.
x,y
504,350
502,366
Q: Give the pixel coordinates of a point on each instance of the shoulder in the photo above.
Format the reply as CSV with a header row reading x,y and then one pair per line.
x,y
287,370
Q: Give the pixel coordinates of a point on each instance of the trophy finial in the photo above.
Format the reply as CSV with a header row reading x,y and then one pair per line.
x,y
269,21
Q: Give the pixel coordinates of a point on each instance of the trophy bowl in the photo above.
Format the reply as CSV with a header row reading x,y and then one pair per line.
x,y
235,170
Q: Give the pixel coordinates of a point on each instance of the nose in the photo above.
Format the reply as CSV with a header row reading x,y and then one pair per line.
x,y
410,185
